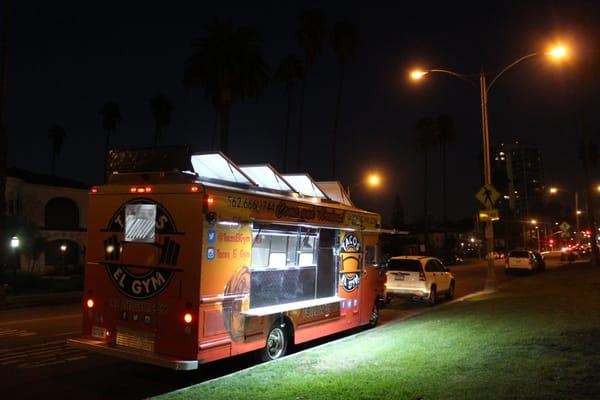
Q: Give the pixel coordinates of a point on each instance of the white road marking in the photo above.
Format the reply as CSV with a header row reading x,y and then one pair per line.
x,y
26,321
41,355
15,332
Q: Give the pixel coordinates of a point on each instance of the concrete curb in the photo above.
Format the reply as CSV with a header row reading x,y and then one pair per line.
x,y
46,299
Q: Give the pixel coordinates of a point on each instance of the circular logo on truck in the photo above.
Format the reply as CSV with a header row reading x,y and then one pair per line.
x,y
141,221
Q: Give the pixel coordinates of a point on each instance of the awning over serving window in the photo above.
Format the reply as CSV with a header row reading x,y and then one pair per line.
x,y
265,176
305,185
218,167
336,192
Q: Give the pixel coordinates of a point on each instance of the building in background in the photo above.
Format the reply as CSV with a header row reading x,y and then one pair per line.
x,y
518,174
49,215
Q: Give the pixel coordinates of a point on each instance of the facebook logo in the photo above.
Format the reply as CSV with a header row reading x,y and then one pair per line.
x,y
210,253
212,236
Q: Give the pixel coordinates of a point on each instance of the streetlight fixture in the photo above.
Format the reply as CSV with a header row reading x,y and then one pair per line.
x,y
372,180
14,242
557,53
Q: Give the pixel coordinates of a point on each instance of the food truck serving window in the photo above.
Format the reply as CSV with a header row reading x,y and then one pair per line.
x,y
140,223
285,266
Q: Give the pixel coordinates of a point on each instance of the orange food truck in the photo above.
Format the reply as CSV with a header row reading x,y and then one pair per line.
x,y
190,265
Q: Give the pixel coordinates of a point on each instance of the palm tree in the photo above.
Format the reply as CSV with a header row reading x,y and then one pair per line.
x,y
161,111
228,65
111,116
290,70
312,31
446,135
345,42
56,134
4,56
426,139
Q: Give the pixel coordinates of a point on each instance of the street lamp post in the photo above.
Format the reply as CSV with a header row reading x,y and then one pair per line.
x,y
484,90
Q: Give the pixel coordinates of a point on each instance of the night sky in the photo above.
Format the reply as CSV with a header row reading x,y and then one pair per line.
x,y
68,58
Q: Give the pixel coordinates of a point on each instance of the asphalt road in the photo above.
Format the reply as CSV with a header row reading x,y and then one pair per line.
x,y
35,361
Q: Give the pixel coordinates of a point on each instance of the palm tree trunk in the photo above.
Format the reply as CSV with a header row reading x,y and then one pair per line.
x,y
224,137
444,194
215,129
425,204
106,145
335,123
4,56
287,126
156,133
300,127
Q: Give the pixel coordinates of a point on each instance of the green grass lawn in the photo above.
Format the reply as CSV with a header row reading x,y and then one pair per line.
x,y
537,337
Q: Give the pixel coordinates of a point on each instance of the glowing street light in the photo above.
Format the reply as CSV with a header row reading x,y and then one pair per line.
x,y
553,190
533,222
558,52
373,180
63,247
417,74
14,242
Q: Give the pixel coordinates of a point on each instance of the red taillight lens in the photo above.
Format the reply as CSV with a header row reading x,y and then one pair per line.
x,y
421,276
94,190
194,189
210,200
90,303
187,318
133,189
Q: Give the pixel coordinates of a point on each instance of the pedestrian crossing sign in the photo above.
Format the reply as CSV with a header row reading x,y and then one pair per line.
x,y
488,195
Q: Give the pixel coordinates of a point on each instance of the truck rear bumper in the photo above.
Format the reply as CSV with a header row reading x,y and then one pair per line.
x,y
147,357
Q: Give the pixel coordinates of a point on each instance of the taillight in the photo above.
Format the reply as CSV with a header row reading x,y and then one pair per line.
x,y
421,276
145,189
187,318
194,189
90,303
210,200
94,190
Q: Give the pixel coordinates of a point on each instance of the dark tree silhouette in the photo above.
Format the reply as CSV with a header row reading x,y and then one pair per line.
x,y
446,135
161,111
345,41
57,135
111,116
312,31
290,70
228,65
4,57
398,213
426,140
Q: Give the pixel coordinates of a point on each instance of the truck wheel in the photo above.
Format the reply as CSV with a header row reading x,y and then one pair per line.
x,y
277,343
374,316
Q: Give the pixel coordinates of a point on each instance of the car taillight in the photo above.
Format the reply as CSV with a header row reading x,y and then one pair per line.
x,y
89,303
421,276
187,318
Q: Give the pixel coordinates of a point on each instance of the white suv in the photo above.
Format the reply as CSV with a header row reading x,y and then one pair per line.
x,y
520,260
418,277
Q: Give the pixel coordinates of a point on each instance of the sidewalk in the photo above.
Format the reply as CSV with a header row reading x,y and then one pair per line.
x,y
34,300
537,337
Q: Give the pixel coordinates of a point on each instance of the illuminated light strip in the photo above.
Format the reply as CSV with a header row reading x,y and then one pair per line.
x,y
261,311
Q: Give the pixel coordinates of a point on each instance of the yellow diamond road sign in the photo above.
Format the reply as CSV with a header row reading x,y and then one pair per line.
x,y
488,196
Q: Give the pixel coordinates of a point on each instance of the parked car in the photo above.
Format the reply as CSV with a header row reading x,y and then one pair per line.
x,y
568,254
520,260
452,259
539,259
418,277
